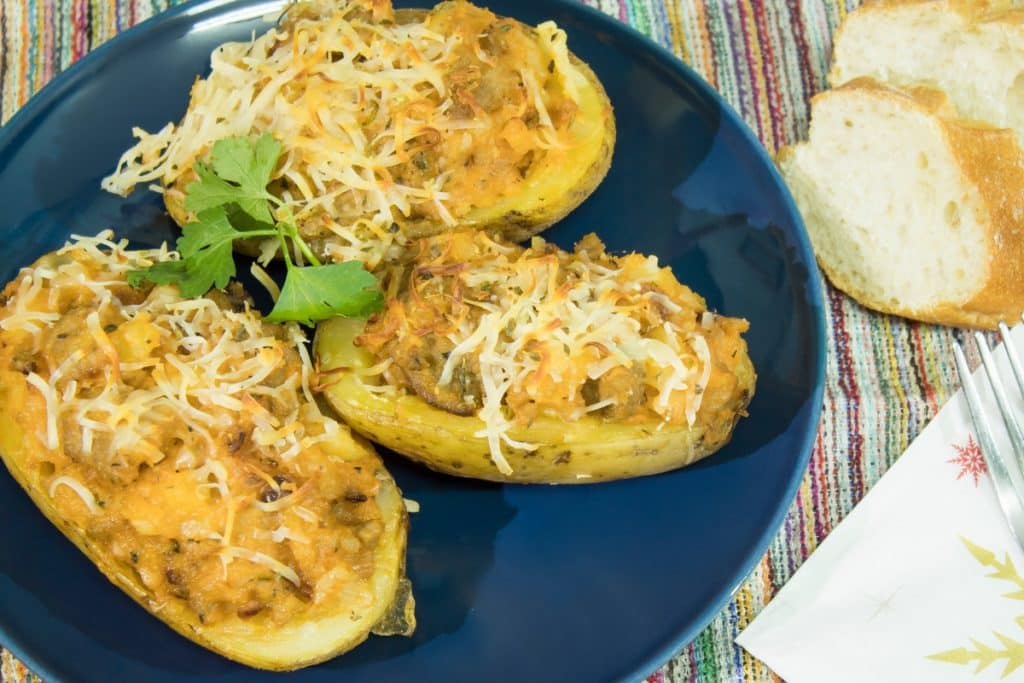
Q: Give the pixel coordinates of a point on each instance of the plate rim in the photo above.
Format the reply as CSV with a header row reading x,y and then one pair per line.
x,y
52,91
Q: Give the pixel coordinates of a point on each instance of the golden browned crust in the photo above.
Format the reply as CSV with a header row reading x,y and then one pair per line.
x,y
587,451
124,530
178,617
992,160
439,424
520,226
526,215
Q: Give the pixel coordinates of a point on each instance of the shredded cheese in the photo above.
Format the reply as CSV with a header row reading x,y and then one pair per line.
x,y
284,571
537,331
305,514
50,396
263,277
354,97
147,376
78,487
281,534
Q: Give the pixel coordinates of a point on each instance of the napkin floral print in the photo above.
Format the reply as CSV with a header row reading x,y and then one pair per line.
x,y
972,465
970,460
1008,649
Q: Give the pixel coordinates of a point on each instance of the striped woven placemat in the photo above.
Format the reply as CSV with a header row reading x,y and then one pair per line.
x,y
886,377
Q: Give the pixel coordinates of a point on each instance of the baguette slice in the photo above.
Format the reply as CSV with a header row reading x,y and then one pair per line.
x,y
971,49
909,211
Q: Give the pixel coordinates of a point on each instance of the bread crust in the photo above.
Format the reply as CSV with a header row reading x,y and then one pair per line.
x,y
994,161
988,158
991,159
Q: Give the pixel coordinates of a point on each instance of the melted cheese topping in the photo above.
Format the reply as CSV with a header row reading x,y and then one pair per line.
x,y
479,327
385,125
182,436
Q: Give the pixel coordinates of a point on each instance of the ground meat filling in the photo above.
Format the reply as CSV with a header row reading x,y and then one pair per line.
x,y
221,495
586,333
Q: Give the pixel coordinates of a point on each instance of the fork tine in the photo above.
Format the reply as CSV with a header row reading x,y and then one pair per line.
x,y
1011,353
1009,419
1009,499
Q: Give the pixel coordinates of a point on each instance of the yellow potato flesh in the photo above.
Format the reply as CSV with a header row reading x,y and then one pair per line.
x,y
585,451
558,184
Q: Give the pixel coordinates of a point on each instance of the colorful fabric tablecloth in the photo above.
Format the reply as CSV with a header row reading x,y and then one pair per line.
x,y
886,377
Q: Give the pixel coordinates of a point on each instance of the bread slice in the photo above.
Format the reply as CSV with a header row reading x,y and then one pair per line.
x,y
971,49
911,212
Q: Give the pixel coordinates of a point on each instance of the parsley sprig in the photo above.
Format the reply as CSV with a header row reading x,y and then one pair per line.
x,y
230,201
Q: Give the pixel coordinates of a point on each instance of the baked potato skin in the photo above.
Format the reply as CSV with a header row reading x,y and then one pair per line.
x,y
552,190
256,642
275,651
589,450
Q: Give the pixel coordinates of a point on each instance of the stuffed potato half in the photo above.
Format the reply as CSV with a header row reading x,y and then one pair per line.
x,y
606,367
396,124
173,443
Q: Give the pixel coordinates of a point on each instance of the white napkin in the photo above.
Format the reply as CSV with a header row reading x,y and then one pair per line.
x,y
923,581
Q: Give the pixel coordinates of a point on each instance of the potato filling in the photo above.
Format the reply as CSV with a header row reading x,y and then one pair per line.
x,y
393,126
479,327
180,437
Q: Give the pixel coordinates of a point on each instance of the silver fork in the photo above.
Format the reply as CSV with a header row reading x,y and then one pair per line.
x,y
1011,498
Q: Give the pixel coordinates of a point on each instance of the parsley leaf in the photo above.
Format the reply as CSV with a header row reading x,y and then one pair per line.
x,y
239,173
191,282
205,247
213,231
316,293
161,273
231,201
250,165
206,257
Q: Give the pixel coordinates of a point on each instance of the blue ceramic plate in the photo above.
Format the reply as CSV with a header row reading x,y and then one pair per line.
x,y
513,583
